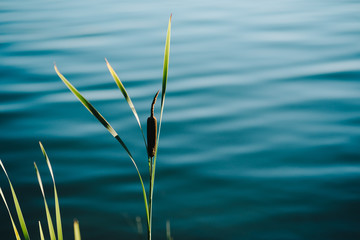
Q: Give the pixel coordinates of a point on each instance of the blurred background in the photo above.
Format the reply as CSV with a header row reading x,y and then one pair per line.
x,y
260,136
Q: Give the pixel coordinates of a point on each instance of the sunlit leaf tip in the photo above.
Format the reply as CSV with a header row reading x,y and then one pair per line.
x,y
11,218
86,103
41,232
77,230
57,206
47,160
117,80
126,95
48,216
2,166
17,206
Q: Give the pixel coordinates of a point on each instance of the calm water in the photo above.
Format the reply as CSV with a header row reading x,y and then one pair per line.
x,y
260,137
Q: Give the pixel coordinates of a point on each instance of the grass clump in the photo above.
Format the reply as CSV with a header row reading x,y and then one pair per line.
x,y
52,234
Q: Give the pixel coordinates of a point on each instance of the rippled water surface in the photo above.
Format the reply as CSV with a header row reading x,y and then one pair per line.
x,y
260,136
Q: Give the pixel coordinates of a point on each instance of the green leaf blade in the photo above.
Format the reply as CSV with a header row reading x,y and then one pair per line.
x,y
11,218
41,232
57,206
166,66
77,230
48,216
17,206
92,110
86,103
126,96
164,81
163,92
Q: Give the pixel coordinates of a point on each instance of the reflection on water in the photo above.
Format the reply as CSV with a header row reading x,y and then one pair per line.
x,y
260,138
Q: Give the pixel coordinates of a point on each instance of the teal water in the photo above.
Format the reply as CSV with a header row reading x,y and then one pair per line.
x,y
260,136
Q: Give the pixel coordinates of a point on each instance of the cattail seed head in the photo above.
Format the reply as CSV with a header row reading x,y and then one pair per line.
x,y
152,129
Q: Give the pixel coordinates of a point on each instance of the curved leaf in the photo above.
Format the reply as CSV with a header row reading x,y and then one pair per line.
x,y
41,232
163,92
77,230
92,110
57,207
11,218
102,120
48,216
126,96
17,206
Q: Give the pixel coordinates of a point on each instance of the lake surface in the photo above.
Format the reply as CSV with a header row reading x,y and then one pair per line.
x,y
261,129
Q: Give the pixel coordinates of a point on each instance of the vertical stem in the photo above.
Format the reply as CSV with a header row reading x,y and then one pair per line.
x,y
150,199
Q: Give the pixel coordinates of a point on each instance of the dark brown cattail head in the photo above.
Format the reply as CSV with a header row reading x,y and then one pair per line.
x,y
152,129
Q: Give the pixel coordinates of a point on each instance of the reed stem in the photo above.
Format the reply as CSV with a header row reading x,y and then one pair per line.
x,y
150,198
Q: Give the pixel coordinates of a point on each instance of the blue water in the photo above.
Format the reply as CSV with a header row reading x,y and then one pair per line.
x,y
261,129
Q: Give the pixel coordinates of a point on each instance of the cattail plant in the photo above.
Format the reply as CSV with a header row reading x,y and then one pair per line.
x,y
153,135
151,146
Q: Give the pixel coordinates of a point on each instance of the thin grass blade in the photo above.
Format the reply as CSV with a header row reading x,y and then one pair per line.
x,y
144,193
163,93
48,216
41,232
92,110
86,103
102,120
57,207
17,207
11,218
126,96
77,230
165,72
143,189
168,231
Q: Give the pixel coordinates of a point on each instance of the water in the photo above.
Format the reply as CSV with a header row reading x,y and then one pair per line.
x,y
260,136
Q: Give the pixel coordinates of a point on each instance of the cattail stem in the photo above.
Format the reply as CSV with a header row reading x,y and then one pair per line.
x,y
151,143
150,199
